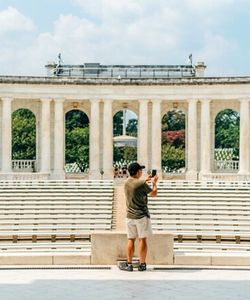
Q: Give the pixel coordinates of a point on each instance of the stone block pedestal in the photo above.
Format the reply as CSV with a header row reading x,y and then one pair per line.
x,y
108,247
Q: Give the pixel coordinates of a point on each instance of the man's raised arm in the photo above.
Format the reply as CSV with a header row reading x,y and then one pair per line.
x,y
154,191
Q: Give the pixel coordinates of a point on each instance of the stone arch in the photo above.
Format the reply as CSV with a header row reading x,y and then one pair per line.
x,y
24,144
82,108
125,132
173,141
226,140
76,141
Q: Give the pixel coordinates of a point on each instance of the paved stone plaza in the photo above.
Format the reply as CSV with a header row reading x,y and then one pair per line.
x,y
74,284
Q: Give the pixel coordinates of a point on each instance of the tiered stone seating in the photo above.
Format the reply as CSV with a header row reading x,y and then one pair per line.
x,y
214,213
49,211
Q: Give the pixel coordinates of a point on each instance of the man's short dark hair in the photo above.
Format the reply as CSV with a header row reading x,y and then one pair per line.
x,y
133,168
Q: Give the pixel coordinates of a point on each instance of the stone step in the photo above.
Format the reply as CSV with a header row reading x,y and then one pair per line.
x,y
65,194
45,259
58,206
61,217
211,207
84,247
235,202
52,199
49,227
208,223
210,196
51,181
180,217
52,213
203,183
203,187
77,233
207,234
212,212
209,247
231,258
201,228
57,221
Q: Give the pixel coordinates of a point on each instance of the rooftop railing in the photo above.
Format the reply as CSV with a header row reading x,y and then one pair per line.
x,y
121,71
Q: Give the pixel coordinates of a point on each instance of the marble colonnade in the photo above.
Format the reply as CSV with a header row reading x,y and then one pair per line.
x,y
199,158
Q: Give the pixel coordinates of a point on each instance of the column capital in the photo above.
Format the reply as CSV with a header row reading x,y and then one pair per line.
x,y
45,100
146,101
95,100
156,101
244,100
59,100
205,100
192,100
6,99
108,101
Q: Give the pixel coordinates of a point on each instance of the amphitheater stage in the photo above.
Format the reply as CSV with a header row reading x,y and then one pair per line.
x,y
177,284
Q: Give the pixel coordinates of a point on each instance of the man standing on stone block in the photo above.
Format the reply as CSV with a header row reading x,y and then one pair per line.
x,y
138,221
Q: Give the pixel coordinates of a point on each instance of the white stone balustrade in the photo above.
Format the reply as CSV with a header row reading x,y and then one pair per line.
x,y
24,165
226,165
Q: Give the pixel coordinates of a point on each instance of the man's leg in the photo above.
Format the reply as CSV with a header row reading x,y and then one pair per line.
x,y
130,250
143,249
127,266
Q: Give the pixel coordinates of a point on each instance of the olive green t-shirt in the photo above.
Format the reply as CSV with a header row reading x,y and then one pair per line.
x,y
136,193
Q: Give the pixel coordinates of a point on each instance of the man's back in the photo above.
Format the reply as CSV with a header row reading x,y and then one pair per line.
x,y
136,192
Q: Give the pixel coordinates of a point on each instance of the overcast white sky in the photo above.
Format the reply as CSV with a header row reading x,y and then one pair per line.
x,y
33,32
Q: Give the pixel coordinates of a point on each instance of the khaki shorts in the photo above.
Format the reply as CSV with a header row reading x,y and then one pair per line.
x,y
141,228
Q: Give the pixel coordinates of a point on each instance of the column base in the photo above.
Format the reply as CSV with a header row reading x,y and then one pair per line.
x,y
108,175
57,176
243,176
191,175
205,175
242,172
94,175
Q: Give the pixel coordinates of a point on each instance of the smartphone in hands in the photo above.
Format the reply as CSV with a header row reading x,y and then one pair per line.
x,y
154,172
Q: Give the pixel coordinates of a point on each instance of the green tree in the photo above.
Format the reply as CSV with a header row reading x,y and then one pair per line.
x,y
126,153
173,120
172,158
173,140
118,123
131,128
130,153
227,130
23,134
77,139
118,154
76,118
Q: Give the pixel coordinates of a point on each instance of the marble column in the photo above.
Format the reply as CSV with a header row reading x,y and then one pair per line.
x,y
192,158
6,135
205,137
94,140
108,140
244,137
58,172
45,136
142,145
156,136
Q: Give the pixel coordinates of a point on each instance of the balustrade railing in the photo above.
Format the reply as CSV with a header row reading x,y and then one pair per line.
x,y
121,71
226,165
24,165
